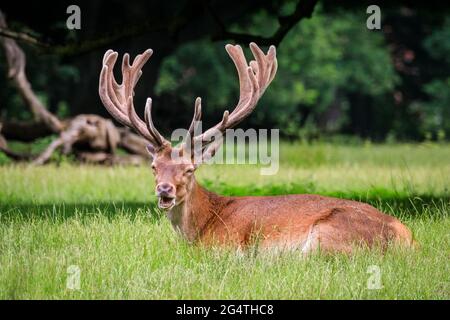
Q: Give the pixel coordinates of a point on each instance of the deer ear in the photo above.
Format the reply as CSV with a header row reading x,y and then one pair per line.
x,y
151,150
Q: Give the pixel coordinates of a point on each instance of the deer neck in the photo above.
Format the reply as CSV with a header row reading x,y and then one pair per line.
x,y
196,213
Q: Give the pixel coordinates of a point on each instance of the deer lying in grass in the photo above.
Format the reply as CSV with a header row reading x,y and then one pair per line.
x,y
304,222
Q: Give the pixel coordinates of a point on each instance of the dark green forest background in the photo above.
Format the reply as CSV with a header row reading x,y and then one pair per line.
x,y
335,77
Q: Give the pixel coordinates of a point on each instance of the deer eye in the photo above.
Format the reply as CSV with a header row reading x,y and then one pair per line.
x,y
189,171
153,167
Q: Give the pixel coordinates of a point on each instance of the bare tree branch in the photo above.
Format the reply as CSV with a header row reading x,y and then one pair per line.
x,y
102,40
75,48
304,9
16,71
22,36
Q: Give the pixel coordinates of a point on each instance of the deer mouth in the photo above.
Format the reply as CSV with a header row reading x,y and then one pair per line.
x,y
166,202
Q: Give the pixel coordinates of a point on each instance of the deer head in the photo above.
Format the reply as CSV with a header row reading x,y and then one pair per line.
x,y
174,166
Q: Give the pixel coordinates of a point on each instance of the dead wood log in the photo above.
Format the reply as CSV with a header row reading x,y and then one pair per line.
x,y
89,130
110,159
133,143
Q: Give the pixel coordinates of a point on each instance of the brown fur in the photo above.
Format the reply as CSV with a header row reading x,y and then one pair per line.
x,y
285,222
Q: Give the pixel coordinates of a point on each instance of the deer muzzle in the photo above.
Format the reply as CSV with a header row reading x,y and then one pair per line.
x,y
166,195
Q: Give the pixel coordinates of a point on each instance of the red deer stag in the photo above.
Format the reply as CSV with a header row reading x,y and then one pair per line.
x,y
303,222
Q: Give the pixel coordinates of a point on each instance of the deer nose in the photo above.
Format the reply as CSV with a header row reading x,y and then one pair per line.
x,y
166,188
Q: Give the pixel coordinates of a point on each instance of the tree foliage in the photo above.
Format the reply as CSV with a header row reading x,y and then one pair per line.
x,y
321,61
335,76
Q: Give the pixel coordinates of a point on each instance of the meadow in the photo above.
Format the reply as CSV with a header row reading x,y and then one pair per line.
x,y
103,222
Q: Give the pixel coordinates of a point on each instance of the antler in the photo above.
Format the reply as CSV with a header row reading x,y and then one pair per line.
x,y
254,78
118,99
253,81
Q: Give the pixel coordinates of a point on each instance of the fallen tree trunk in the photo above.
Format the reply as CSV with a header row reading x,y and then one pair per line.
x,y
133,143
93,131
110,159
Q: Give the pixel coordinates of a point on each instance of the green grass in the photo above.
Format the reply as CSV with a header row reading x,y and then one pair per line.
x,y
104,221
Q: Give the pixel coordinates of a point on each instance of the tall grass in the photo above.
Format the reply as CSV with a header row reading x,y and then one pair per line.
x,y
103,220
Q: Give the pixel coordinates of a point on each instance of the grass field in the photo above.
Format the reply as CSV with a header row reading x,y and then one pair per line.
x,y
103,221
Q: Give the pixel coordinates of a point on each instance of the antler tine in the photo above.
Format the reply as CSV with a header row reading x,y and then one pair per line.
x,y
243,110
108,87
118,99
245,86
106,55
264,70
273,59
261,63
150,126
197,116
138,124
